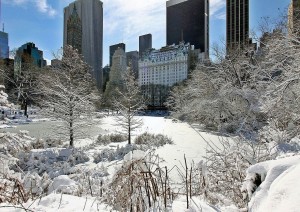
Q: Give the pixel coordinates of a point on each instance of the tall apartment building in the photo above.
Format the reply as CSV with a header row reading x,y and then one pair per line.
x,y
294,17
161,69
4,49
237,24
145,43
112,50
28,54
116,73
132,59
188,21
83,29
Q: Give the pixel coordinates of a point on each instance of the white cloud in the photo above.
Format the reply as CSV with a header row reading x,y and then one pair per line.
x,y
41,5
44,7
217,9
134,17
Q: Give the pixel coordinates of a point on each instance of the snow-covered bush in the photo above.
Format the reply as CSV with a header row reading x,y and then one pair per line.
x,y
48,143
91,180
53,161
36,185
152,140
111,154
13,143
139,185
63,184
109,138
223,174
12,190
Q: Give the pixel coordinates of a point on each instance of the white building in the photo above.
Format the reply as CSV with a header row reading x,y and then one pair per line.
x,y
161,69
166,66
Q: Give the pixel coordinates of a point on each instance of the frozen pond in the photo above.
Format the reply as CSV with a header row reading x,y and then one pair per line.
x,y
46,129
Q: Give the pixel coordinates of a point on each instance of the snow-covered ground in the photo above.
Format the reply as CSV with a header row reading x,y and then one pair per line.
x,y
278,191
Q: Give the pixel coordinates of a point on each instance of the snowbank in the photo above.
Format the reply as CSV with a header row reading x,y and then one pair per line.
x,y
58,202
279,190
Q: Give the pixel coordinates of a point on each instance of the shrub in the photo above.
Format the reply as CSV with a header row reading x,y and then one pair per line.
x,y
107,155
106,139
152,140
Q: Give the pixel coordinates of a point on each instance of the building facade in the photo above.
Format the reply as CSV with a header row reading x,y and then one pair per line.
x,y
161,69
132,60
145,43
28,54
237,24
4,49
116,74
83,21
112,50
188,21
294,17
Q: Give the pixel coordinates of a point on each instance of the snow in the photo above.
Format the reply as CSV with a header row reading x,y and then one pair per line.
x,y
279,190
179,205
63,184
187,140
58,202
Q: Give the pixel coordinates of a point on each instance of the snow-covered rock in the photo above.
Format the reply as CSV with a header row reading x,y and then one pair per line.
x,y
63,184
279,190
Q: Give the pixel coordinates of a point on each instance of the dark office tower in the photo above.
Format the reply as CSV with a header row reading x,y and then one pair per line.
x,y
4,49
237,24
132,60
188,21
145,43
294,17
112,50
83,29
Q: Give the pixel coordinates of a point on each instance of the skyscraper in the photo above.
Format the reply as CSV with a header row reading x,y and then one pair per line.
x,y
4,49
188,21
112,50
28,53
294,17
145,43
83,29
237,24
132,60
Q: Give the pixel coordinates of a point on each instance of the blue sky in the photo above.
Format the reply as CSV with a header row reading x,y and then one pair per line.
x,y
41,21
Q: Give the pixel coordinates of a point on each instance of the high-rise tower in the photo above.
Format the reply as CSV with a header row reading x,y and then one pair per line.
x,y
83,29
237,24
188,21
294,17
112,50
145,43
4,49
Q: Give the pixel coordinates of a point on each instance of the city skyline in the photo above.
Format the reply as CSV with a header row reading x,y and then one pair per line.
x,y
41,22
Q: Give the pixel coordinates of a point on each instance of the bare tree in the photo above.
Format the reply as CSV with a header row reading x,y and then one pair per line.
x,y
129,102
69,93
21,84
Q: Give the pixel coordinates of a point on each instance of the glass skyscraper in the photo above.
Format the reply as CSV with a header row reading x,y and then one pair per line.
x,y
4,49
188,21
83,29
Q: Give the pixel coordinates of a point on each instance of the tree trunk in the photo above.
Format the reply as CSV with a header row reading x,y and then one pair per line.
x,y
71,127
71,135
129,135
25,107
